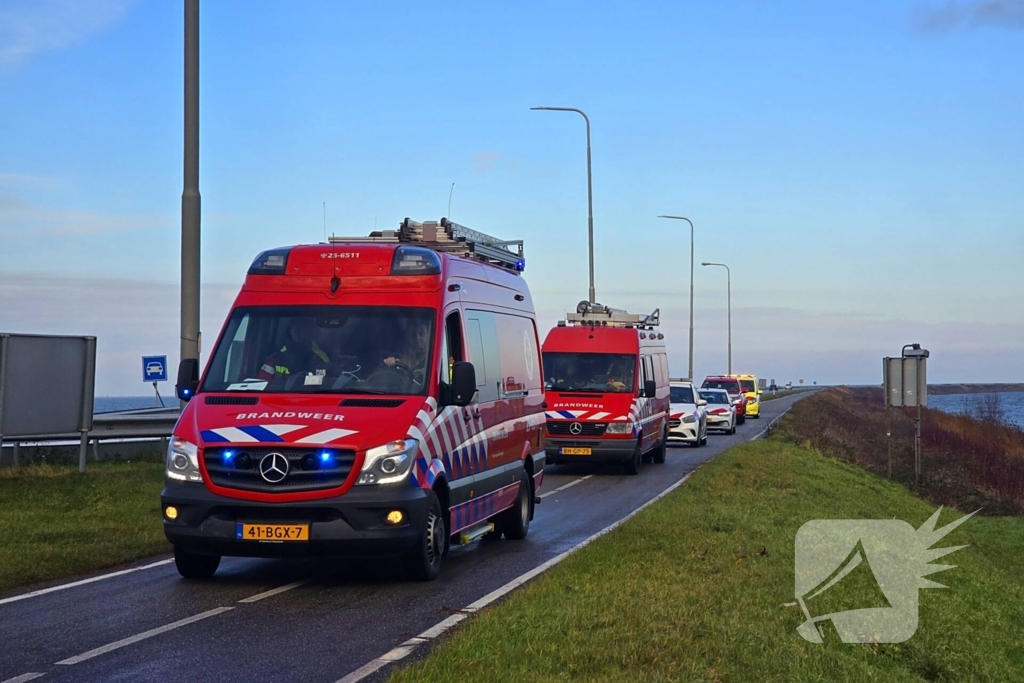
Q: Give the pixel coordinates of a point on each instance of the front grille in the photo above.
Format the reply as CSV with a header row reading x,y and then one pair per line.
x,y
306,470
674,423
232,400
588,428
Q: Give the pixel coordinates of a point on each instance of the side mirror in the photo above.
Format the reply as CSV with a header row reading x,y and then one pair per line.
x,y
760,391
650,388
188,379
702,402
463,383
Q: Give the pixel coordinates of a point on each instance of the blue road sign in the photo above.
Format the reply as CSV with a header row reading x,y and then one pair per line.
x,y
154,368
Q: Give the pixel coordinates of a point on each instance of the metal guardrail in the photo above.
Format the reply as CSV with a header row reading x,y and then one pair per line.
x,y
145,423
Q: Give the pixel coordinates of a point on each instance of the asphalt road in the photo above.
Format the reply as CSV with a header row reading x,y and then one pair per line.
x,y
152,625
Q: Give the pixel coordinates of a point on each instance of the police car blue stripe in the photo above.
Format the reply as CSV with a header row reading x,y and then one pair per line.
x,y
261,434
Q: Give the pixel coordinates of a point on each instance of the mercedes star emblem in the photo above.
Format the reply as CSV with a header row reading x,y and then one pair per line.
x,y
274,468
576,428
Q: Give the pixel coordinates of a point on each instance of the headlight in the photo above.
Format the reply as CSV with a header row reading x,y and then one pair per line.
x,y
389,463
619,428
690,418
182,461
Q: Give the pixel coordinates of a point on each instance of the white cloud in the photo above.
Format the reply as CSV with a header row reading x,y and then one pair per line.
x,y
484,162
951,15
29,27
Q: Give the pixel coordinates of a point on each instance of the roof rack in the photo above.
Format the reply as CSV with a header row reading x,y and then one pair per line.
x,y
588,313
452,238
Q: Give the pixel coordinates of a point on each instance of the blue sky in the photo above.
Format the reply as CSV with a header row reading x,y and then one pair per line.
x,y
857,164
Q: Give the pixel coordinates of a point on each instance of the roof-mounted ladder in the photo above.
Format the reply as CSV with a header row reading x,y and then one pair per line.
x,y
588,313
452,238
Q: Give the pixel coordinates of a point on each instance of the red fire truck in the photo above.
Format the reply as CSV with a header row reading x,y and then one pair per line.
x,y
607,388
378,396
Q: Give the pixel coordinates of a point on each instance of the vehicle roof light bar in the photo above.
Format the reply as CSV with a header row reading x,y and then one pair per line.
x,y
594,314
452,238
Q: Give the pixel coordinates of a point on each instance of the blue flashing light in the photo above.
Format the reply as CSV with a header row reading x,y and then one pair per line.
x,y
325,456
185,392
228,455
521,265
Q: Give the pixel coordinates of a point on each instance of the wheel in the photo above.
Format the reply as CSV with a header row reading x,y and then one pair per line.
x,y
194,566
658,453
733,429
741,419
756,416
704,440
632,466
423,561
515,522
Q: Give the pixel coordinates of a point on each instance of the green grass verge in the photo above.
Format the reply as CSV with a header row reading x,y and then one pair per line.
x,y
693,589
56,523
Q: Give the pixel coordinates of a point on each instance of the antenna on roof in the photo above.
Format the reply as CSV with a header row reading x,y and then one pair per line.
x,y
449,214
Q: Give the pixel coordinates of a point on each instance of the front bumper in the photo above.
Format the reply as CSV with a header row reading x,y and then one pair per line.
x,y
686,432
601,450
753,408
351,525
723,422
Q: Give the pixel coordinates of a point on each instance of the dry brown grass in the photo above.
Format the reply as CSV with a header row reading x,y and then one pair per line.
x,y
966,463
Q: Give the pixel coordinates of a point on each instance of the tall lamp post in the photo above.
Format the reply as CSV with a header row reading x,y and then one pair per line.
x,y
728,281
190,201
684,218
590,190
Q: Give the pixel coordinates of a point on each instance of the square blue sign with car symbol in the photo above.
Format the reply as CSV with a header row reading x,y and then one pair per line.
x,y
154,368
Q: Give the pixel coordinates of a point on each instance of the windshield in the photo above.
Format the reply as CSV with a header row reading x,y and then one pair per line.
x,y
715,397
748,386
730,385
324,349
598,372
681,395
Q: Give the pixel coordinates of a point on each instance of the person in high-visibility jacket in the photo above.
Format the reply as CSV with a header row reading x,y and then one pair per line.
x,y
299,353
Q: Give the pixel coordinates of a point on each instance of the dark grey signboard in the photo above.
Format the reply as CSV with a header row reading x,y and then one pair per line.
x,y
46,385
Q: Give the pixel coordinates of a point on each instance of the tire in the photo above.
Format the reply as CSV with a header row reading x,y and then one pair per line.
x,y
194,566
657,454
704,441
741,419
632,466
515,522
423,561
733,430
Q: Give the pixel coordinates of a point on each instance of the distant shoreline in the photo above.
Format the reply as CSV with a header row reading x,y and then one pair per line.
x,y
939,389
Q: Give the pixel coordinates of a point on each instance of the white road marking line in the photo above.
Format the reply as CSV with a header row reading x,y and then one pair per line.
x,y
563,487
274,591
406,648
74,584
142,636
770,424
24,678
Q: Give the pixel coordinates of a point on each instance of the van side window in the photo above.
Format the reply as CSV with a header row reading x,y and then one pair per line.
x,y
484,354
451,346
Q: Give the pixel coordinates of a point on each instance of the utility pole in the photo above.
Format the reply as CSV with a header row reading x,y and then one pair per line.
x,y
684,218
190,200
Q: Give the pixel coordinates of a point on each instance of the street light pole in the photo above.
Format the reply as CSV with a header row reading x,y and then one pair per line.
x,y
190,200
590,190
684,218
728,281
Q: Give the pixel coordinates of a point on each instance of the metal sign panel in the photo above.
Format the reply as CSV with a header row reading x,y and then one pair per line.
x,y
905,382
46,384
154,368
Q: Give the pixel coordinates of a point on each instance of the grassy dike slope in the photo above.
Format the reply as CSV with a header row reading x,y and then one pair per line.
x,y
693,587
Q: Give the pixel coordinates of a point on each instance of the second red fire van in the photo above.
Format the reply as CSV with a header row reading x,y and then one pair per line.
x,y
378,396
607,388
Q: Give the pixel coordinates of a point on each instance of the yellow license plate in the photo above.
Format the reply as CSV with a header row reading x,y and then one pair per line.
x,y
272,532
566,450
